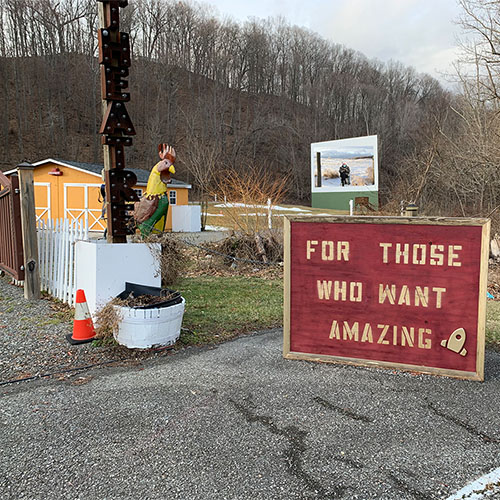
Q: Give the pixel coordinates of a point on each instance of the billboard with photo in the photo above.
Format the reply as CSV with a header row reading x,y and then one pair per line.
x,y
345,165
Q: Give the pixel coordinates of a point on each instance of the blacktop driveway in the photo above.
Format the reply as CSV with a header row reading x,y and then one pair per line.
x,y
240,422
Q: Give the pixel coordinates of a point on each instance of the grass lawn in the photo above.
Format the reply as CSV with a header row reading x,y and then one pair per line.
x,y
229,217
493,324
219,308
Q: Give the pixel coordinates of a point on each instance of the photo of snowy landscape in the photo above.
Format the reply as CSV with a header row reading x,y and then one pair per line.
x,y
358,159
345,165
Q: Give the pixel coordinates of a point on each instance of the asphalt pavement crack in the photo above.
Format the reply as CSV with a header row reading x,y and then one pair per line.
x,y
402,485
343,411
469,428
349,461
296,439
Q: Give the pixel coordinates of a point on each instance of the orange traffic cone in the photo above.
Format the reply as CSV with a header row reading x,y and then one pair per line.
x,y
83,328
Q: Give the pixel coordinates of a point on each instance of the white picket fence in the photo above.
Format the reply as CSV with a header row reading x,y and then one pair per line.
x,y
56,254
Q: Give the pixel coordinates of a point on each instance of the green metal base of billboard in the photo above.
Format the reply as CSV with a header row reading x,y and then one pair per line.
x,y
340,201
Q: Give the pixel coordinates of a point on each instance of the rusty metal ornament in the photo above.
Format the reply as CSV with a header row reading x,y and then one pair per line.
x,y
116,127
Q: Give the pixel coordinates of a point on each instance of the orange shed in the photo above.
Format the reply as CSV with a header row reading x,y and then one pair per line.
x,y
71,190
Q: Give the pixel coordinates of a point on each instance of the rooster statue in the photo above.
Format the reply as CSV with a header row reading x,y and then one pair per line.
x,y
155,198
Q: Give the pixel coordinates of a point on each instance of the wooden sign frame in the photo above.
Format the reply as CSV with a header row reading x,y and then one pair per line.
x,y
303,279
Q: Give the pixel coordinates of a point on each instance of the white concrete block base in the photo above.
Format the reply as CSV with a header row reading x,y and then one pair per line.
x,y
103,268
186,218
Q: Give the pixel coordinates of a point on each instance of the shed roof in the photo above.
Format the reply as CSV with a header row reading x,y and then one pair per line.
x,y
96,168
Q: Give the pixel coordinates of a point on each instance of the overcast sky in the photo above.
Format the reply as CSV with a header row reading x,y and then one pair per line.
x,y
419,33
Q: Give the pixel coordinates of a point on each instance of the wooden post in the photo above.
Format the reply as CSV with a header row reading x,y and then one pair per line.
x,y
28,224
318,169
411,210
105,148
104,103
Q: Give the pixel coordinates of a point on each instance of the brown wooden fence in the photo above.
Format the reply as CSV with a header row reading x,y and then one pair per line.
x,y
11,243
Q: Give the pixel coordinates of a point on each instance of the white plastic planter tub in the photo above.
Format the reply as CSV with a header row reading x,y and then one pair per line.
x,y
145,328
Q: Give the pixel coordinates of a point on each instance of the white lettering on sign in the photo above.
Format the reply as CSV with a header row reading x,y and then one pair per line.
x,y
404,253
330,250
395,335
414,296
340,290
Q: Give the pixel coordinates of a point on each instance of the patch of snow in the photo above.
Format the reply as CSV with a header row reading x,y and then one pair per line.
x,y
291,209
216,228
237,205
244,205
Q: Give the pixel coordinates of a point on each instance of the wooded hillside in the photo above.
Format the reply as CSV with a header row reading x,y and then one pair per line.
x,y
227,95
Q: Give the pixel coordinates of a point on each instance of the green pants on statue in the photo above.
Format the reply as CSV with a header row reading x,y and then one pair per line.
x,y
147,226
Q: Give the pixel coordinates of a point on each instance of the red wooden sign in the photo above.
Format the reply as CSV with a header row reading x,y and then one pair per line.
x,y
397,292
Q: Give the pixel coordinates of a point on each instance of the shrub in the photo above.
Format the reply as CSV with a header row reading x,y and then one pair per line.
x,y
170,257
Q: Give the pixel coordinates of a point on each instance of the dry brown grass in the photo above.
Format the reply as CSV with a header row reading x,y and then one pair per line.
x,y
205,262
244,246
330,173
253,188
370,176
356,180
494,216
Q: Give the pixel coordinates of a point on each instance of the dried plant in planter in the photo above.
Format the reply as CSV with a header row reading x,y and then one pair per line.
x,y
107,319
170,257
145,300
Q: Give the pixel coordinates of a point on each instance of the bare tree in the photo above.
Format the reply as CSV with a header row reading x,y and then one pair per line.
x,y
230,94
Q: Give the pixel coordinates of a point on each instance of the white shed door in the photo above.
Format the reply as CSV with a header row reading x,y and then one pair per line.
x,y
81,204
42,200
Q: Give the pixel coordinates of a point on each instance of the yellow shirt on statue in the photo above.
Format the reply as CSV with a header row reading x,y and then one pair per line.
x,y
156,186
